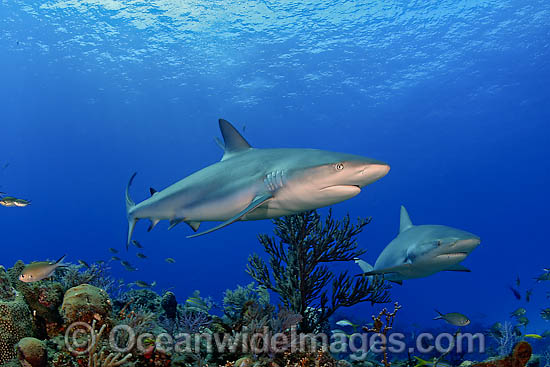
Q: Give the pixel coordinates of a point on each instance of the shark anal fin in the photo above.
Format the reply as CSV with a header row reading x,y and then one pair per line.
x,y
194,225
174,222
458,267
259,200
154,222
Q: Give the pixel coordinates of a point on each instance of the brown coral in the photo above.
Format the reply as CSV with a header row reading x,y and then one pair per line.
x,y
32,352
86,303
518,358
15,324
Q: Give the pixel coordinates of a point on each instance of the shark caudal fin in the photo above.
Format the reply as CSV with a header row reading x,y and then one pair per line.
x,y
129,205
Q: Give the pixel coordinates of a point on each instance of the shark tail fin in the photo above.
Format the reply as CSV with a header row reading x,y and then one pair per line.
x,y
129,206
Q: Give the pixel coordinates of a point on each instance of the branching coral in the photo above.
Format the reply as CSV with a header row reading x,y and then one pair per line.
x,y
299,272
379,328
505,338
103,359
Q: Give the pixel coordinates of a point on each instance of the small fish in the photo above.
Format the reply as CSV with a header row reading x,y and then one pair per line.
x,y
84,263
37,271
341,332
125,263
142,284
141,256
523,320
496,330
196,302
346,323
100,262
137,244
545,313
543,277
528,294
115,258
130,268
423,362
169,260
534,336
518,282
453,318
519,312
10,201
113,250
515,292
546,334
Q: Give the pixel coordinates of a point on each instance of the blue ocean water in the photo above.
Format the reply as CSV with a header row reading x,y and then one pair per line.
x,y
454,95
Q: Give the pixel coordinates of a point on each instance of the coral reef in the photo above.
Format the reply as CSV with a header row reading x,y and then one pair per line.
x,y
299,272
15,324
86,303
32,352
281,319
520,355
378,327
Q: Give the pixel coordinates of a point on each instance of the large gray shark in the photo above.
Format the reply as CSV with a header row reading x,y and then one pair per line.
x,y
420,251
253,184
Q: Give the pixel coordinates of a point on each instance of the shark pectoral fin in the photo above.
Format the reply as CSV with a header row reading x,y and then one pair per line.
x,y
194,225
458,267
366,267
174,222
154,222
259,200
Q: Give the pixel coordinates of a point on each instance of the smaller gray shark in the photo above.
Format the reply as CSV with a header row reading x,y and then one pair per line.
x,y
420,251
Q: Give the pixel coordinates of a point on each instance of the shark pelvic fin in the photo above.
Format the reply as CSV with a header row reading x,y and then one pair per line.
x,y
154,222
152,191
259,200
366,267
233,140
404,220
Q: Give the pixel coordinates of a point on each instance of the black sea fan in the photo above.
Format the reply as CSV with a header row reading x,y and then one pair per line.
x,y
299,272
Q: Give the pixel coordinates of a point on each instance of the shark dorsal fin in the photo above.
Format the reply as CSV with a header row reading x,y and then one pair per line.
x,y
404,221
233,140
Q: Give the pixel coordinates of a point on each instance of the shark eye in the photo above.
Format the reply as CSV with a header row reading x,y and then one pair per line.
x,y
339,166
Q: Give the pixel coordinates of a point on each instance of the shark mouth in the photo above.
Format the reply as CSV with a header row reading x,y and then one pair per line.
x,y
452,255
340,187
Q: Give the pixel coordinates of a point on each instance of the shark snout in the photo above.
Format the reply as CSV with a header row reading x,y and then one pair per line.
x,y
374,172
466,245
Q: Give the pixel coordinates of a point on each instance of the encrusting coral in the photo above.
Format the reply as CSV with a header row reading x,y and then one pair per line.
x,y
32,352
86,303
15,320
299,272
